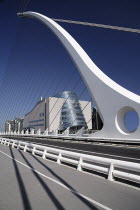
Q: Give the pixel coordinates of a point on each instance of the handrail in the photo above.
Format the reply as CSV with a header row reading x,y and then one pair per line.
x,y
111,167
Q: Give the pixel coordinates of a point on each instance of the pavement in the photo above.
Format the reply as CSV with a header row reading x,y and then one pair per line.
x,y
29,182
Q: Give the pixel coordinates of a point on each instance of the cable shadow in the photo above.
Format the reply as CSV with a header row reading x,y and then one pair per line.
x,y
90,205
24,196
55,201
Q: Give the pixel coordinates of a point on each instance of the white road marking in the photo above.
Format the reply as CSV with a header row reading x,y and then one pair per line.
x,y
59,183
50,145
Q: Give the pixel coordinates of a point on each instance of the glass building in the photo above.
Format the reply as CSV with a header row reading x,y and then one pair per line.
x,y
71,113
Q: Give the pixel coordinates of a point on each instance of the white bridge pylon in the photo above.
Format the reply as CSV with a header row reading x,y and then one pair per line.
x,y
112,100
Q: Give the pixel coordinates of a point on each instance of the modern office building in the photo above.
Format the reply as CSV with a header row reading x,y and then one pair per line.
x,y
59,112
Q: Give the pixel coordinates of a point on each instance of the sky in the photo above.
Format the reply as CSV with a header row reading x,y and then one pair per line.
x,y
33,62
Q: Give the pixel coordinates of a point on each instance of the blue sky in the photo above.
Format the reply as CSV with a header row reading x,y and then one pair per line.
x,y
33,63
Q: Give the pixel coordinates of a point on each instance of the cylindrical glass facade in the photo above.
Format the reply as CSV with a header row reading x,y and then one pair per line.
x,y
71,113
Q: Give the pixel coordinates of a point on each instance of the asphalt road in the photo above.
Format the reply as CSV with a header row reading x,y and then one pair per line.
x,y
123,153
30,183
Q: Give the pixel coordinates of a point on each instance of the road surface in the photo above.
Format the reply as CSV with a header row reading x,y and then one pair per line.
x,y
29,182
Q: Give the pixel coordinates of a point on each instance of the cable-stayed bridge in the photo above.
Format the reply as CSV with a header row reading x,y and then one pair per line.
x,y
98,182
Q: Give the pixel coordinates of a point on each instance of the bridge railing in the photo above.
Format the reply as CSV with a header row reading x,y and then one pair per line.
x,y
73,137
113,168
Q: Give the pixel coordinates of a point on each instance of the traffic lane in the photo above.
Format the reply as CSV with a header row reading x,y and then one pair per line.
x,y
125,153
111,194
99,154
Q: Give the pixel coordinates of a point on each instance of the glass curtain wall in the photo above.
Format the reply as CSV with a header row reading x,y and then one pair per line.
x,y
71,113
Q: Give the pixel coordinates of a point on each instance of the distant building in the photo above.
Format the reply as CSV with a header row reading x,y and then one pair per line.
x,y
14,125
19,124
9,125
59,112
97,123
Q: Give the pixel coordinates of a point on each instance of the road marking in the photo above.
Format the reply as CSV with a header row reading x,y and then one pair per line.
x,y
84,151
59,183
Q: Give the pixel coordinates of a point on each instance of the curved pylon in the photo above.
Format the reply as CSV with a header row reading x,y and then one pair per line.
x,y
112,100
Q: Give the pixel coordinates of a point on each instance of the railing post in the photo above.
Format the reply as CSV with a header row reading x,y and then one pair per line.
x,y
110,175
33,152
79,167
46,132
59,158
18,145
25,148
8,143
5,142
39,132
44,154
13,144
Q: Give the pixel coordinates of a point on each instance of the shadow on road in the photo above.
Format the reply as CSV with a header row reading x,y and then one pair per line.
x,y
55,201
65,183
24,196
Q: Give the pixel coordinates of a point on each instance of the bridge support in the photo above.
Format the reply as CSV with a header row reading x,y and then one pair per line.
x,y
112,101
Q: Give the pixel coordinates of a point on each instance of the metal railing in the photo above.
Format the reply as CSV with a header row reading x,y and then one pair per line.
x,y
113,168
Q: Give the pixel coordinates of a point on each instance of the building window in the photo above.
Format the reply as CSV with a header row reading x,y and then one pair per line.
x,y
41,114
36,121
36,125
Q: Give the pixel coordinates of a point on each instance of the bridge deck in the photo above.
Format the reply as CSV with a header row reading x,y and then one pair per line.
x,y
29,182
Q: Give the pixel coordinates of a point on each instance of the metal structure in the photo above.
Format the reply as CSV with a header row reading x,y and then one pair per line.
x,y
112,101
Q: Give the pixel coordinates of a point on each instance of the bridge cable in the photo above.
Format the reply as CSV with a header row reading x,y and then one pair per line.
x,y
25,5
82,111
5,88
70,79
65,101
32,92
19,84
22,5
72,105
57,86
133,30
